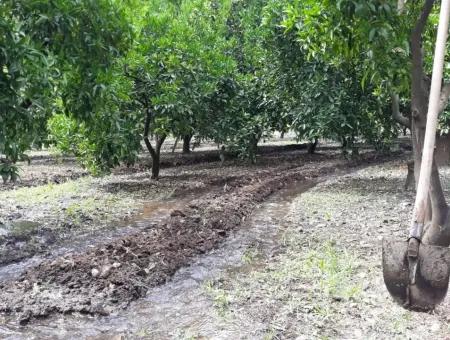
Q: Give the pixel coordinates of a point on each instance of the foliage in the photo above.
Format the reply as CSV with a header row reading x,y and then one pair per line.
x,y
25,87
179,59
86,74
332,58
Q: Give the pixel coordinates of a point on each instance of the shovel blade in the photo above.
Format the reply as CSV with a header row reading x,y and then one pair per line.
x,y
432,275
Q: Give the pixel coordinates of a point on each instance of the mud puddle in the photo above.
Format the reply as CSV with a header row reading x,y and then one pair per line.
x,y
152,213
183,307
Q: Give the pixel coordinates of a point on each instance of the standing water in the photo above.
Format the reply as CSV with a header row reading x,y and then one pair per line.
x,y
181,306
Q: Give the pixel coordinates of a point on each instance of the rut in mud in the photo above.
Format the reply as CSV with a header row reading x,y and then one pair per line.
x,y
112,275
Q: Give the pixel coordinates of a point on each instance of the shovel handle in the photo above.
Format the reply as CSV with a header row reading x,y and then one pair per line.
x,y
420,206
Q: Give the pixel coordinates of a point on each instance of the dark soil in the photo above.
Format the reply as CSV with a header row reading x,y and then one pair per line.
x,y
62,213
110,276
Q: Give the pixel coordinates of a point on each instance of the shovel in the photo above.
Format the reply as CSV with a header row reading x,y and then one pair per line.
x,y
416,274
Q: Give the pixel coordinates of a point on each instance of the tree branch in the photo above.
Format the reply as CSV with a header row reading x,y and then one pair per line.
x,y
396,114
149,146
159,142
422,21
400,6
445,95
416,43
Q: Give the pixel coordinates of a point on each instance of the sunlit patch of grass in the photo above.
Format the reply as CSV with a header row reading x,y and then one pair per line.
x,y
333,270
78,201
318,281
270,335
144,333
47,193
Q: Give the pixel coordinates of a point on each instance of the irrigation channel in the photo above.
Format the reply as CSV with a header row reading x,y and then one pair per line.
x,y
182,306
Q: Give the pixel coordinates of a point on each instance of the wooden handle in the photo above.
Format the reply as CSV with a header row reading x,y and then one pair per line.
x,y
423,186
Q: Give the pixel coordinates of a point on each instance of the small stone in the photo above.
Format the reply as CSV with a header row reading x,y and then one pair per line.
x,y
116,265
95,272
435,327
106,270
337,298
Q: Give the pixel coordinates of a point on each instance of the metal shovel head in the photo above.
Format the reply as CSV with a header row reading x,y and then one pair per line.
x,y
432,276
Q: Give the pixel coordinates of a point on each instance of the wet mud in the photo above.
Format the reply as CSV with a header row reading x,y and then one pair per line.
x,y
181,307
108,277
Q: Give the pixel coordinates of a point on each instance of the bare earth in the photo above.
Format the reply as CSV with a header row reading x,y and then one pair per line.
x,y
304,265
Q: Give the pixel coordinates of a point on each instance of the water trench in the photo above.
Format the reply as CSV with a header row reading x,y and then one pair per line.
x,y
152,212
182,306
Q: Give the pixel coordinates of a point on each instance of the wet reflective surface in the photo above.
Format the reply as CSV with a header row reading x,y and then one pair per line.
x,y
152,213
181,308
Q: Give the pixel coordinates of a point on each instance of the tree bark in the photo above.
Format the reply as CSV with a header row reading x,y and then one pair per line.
x,y
187,143
154,152
175,144
156,158
419,88
437,231
254,139
312,146
396,114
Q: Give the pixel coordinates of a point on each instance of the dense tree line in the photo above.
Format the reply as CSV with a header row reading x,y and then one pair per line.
x,y
99,77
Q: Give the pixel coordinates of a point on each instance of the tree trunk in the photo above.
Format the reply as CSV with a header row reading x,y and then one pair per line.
x,y
155,166
187,143
252,147
175,144
410,182
312,146
154,152
438,229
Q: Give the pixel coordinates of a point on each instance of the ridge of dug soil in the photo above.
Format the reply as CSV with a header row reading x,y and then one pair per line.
x,y
112,275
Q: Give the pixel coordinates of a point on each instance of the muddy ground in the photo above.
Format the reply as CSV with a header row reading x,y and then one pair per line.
x,y
303,265
325,279
56,200
108,276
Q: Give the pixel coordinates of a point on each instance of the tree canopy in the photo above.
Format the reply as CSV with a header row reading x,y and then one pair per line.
x,y
96,78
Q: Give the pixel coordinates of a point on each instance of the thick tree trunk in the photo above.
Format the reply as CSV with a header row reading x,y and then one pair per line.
x,y
438,228
155,166
312,146
187,143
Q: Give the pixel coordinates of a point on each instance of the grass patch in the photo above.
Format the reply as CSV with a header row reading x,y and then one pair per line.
x,y
299,283
47,193
219,296
81,202
250,255
333,270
